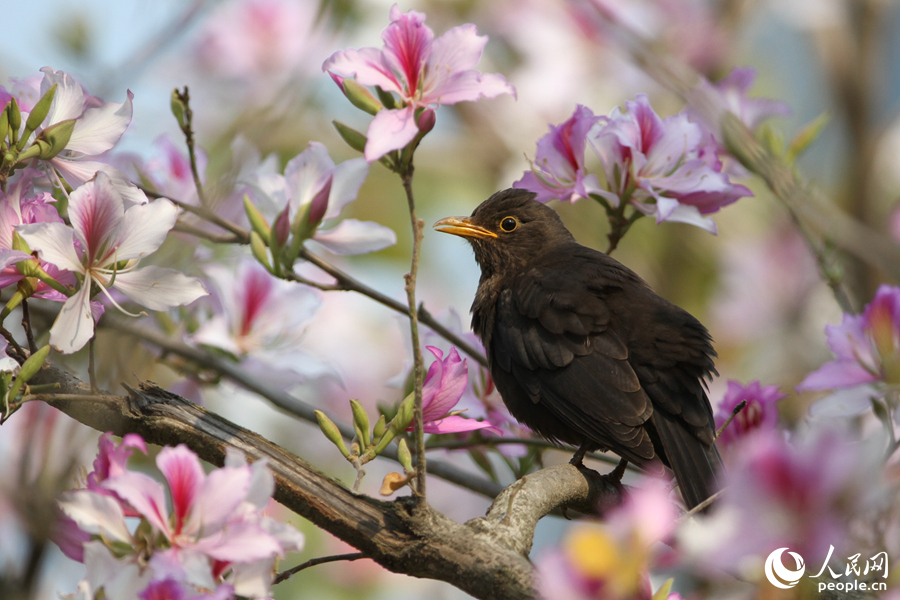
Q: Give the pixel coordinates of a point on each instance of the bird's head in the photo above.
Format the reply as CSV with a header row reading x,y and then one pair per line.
x,y
508,230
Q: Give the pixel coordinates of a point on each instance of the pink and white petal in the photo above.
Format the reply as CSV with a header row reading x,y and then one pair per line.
x,y
185,476
222,492
262,482
457,424
407,45
145,495
74,326
837,374
68,101
159,288
184,565
56,243
454,378
11,257
239,542
306,174
96,514
119,578
288,536
685,213
100,128
253,579
351,236
390,130
69,537
469,86
459,49
144,228
96,209
367,65
216,333
348,177
77,172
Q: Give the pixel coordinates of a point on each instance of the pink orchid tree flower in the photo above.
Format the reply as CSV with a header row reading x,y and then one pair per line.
x,y
262,320
444,385
316,190
421,70
98,127
867,357
662,167
558,169
760,413
211,533
104,233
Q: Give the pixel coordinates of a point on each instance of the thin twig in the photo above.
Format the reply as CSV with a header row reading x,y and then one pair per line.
x,y
325,287
26,325
182,227
418,360
20,353
316,561
92,366
700,506
741,405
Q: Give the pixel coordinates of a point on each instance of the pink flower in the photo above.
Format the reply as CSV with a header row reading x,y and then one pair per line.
x,y
104,233
663,167
759,414
444,386
315,190
214,527
866,346
112,458
558,168
421,70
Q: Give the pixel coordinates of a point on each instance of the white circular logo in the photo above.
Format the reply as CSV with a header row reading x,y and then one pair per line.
x,y
779,575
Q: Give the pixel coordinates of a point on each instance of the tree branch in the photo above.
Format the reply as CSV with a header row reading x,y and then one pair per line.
x,y
485,557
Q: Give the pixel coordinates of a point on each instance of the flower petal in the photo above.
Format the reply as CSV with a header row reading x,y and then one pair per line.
x,y
306,174
145,495
96,513
356,237
74,326
158,288
68,101
185,476
222,492
56,244
144,228
348,177
96,209
457,424
100,128
367,65
390,130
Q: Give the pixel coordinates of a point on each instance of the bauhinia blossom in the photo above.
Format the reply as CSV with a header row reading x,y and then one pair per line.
x,y
759,414
663,167
98,127
211,534
313,190
103,247
421,70
445,383
558,168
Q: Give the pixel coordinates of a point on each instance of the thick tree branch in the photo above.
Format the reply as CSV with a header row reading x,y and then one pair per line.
x,y
486,557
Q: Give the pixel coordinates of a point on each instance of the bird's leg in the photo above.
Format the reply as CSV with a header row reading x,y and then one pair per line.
x,y
616,474
578,458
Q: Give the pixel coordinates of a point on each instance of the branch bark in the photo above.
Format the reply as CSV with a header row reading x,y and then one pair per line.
x,y
485,557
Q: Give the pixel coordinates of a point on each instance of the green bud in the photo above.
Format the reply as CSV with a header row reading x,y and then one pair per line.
x,y
29,369
380,426
807,136
52,140
29,268
361,422
15,301
404,455
383,442
257,220
38,114
4,125
332,432
360,97
404,415
177,105
260,250
15,120
386,98
354,138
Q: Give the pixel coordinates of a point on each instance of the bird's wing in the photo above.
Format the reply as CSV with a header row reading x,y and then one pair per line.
x,y
551,334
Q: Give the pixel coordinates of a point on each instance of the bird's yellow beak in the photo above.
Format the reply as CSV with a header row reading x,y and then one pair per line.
x,y
464,227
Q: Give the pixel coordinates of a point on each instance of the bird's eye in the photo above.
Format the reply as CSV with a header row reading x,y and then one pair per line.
x,y
509,224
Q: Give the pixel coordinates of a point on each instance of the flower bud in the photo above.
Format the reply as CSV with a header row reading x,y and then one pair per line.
x,y
360,97
354,138
380,426
260,250
278,236
404,456
332,432
4,124
15,119
386,98
38,114
404,415
50,141
29,369
177,105
257,220
361,422
426,120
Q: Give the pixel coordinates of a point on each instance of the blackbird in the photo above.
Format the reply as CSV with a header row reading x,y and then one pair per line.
x,y
582,350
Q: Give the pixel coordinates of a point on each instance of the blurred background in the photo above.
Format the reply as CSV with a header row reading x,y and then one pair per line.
x,y
253,68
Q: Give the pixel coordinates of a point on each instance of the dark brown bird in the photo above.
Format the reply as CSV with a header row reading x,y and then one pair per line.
x,y
582,350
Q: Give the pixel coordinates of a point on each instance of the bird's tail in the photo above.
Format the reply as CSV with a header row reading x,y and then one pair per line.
x,y
697,466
